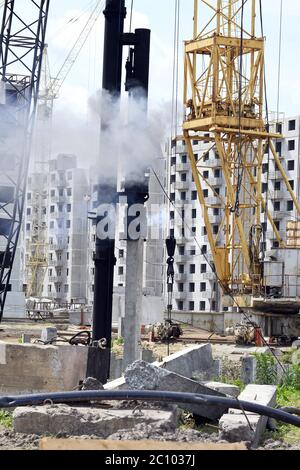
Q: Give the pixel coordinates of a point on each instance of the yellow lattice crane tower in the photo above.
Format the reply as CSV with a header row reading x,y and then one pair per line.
x,y
224,98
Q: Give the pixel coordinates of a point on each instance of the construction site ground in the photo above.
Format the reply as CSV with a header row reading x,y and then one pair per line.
x,y
221,345
189,431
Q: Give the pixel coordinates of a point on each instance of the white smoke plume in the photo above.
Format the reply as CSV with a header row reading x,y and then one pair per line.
x,y
130,139
131,136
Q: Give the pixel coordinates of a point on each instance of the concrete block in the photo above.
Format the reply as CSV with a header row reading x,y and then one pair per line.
x,y
227,389
190,361
143,376
26,339
296,344
30,368
79,421
234,427
248,370
48,334
116,367
147,355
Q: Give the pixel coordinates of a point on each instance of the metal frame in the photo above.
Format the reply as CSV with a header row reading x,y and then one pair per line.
x,y
229,106
21,50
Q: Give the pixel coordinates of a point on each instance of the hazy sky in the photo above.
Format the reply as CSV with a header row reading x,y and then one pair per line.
x,y
158,15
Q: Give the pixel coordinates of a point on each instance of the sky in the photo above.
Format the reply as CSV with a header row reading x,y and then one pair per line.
x,y
67,18
158,15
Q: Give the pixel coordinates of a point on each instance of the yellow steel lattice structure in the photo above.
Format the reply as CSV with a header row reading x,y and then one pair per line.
x,y
224,99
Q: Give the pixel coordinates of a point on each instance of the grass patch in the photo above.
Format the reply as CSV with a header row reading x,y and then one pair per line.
x,y
189,421
6,419
287,396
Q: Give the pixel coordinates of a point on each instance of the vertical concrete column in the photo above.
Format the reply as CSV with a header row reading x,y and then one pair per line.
x,y
248,373
133,300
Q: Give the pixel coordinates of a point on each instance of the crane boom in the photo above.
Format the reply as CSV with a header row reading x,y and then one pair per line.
x,y
21,48
65,69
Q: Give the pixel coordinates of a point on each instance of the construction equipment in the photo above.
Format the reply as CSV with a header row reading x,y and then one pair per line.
x,y
166,331
22,43
224,96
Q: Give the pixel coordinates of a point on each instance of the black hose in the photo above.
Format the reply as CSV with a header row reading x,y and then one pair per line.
x,y
291,409
153,396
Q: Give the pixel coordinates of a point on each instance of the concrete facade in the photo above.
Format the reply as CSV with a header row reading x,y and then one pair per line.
x,y
65,219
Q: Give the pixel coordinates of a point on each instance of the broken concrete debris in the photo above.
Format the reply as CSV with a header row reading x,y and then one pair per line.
x,y
91,384
238,426
122,421
226,389
192,360
79,421
144,376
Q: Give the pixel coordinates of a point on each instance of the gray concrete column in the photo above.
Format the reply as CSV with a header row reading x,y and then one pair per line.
x,y
248,373
133,301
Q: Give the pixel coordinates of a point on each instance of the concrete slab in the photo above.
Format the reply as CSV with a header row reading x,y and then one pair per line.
x,y
194,361
227,389
79,421
234,427
144,376
190,361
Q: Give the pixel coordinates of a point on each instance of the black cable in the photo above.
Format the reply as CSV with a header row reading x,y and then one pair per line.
x,y
236,208
269,153
152,396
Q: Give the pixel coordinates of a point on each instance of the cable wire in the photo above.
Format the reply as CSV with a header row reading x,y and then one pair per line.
x,y
236,209
279,59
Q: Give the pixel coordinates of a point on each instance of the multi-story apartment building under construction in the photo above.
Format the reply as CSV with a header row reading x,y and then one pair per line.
x,y
60,259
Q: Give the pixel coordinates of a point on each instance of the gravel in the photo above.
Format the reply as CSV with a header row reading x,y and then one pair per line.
x,y
9,440
162,432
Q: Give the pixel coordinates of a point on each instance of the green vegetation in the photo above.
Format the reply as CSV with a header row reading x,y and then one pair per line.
x,y
118,341
288,393
290,434
6,419
266,369
189,421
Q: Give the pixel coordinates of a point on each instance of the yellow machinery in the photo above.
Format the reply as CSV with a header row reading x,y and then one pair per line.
x,y
224,85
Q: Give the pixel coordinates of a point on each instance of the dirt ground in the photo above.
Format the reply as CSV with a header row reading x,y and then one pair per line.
x,y
10,440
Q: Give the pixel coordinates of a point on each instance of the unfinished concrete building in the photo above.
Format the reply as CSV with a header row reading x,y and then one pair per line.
x,y
65,216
